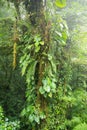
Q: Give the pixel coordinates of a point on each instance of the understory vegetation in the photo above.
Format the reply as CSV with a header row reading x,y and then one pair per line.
x,y
43,65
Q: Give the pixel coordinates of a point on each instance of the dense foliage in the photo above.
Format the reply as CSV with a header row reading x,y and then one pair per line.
x,y
43,82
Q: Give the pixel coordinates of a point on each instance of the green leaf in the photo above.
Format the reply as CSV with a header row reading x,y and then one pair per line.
x,y
53,66
58,33
31,118
41,90
42,43
50,95
53,87
44,81
60,3
37,119
64,36
23,112
24,67
37,49
47,88
30,70
37,38
37,44
42,116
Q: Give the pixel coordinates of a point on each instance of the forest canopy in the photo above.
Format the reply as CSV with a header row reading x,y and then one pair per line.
x,y
43,59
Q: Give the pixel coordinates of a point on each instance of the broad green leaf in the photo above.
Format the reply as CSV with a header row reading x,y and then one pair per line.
x,y
23,112
31,118
37,49
44,81
53,87
64,35
23,58
37,44
41,90
30,70
47,88
42,116
50,95
42,43
24,67
37,38
60,3
37,119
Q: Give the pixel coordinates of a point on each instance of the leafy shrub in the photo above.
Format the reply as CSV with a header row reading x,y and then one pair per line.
x,y
5,124
81,127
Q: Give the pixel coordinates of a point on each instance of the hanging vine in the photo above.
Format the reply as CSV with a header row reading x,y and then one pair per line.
x,y
15,40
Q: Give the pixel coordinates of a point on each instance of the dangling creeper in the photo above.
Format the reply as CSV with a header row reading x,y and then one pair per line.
x,y
15,45
14,54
